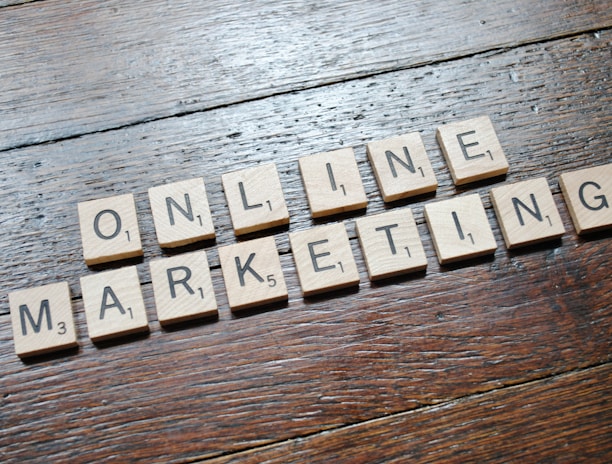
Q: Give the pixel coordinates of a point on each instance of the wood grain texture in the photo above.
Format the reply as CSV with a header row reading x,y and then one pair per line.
x,y
70,68
485,428
441,348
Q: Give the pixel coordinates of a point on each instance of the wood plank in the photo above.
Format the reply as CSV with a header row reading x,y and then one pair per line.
x,y
527,423
70,68
545,129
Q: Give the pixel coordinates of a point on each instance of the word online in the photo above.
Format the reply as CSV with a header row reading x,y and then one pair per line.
x,y
42,317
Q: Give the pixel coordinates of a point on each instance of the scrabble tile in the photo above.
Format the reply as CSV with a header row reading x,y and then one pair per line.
x,y
255,199
324,259
332,182
401,167
183,288
109,229
526,212
252,273
181,213
460,228
588,194
42,319
391,243
472,150
113,304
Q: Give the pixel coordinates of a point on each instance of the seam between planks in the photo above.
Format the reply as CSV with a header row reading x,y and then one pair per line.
x,y
486,52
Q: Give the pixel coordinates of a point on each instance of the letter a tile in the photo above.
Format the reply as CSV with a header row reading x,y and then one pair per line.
x,y
332,182
588,193
472,150
255,199
526,212
181,213
183,288
460,228
324,259
42,319
402,167
109,229
391,243
252,273
113,304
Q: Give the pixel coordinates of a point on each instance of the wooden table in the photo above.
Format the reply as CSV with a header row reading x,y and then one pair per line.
x,y
501,359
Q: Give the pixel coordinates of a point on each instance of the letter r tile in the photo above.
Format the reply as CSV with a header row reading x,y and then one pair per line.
x,y
42,319
460,228
113,304
181,213
252,273
109,229
332,182
255,199
183,288
401,167
472,150
526,212
391,243
588,194
324,259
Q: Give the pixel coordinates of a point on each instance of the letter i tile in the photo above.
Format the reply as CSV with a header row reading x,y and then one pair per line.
x,y
113,304
526,212
332,182
42,319
588,193
391,243
324,259
109,229
460,228
183,288
252,273
472,150
181,213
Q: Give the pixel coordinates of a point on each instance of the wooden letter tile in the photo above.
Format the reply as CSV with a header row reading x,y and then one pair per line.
x,y
401,167
252,273
460,228
109,229
526,212
332,182
324,259
472,150
588,194
42,319
181,213
255,199
391,243
113,304
183,288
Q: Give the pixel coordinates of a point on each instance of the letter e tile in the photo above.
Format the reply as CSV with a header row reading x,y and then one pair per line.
x,y
332,182
109,229
42,319
472,150
181,213
526,212
252,273
113,304
588,193
391,243
460,229
401,167
324,259
183,288
255,199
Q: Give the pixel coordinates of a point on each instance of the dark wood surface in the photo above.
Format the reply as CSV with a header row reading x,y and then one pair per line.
x,y
502,359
